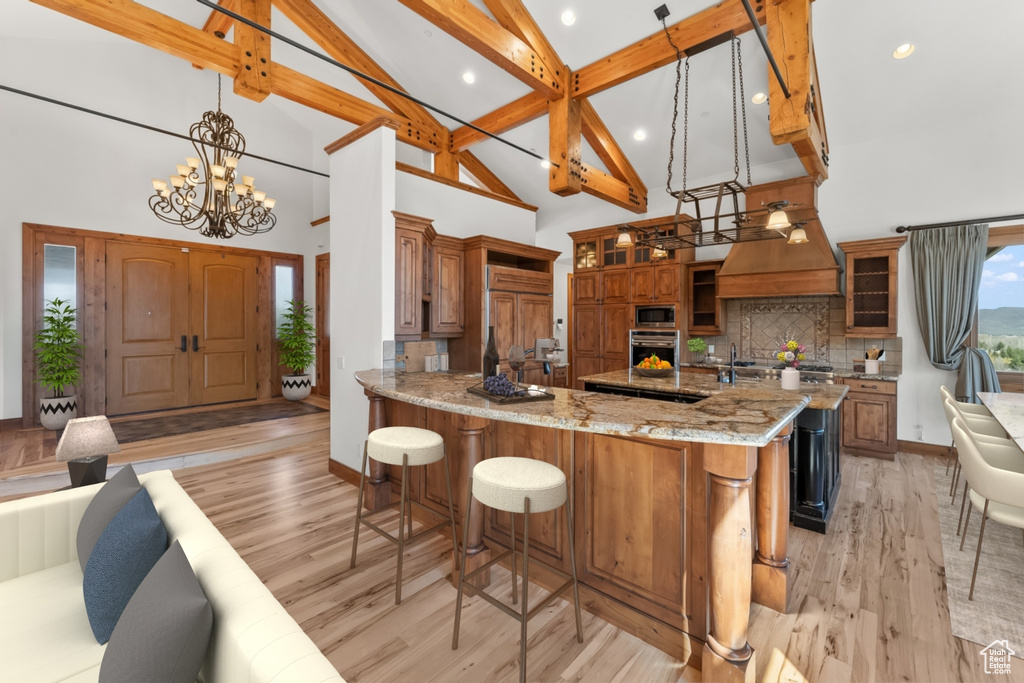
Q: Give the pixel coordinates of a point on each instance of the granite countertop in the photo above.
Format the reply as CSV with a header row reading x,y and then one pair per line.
x,y
822,396
838,370
751,417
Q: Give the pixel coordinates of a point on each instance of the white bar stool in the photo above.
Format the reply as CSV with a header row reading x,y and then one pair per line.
x,y
518,485
408,447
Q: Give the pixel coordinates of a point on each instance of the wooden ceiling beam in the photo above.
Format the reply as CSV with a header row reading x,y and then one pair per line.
x,y
219,23
513,16
611,155
800,119
475,29
149,27
476,170
599,184
564,130
336,43
527,108
253,78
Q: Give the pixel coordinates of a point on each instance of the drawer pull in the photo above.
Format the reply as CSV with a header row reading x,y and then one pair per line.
x,y
865,386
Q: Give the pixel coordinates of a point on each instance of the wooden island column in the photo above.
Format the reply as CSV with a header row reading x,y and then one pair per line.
x,y
377,490
771,560
727,655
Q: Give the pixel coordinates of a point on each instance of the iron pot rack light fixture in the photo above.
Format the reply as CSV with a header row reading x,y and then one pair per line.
x,y
199,197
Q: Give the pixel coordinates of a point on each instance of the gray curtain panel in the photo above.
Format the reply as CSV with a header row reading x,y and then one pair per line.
x,y
976,374
947,264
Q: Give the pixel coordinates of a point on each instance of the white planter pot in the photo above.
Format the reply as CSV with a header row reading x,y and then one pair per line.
x,y
790,379
296,387
871,366
54,413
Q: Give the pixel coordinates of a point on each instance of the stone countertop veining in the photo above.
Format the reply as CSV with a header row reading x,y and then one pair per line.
x,y
822,396
747,418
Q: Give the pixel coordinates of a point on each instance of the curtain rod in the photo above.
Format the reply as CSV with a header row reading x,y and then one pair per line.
x,y
950,224
370,79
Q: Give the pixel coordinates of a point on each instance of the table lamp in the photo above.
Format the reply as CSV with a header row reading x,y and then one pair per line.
x,y
84,446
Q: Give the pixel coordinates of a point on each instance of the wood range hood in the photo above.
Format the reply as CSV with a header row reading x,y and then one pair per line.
x,y
775,268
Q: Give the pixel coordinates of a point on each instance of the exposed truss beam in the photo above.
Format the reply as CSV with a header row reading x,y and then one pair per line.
x,y
512,115
799,120
472,27
476,170
610,189
253,77
564,146
219,23
611,155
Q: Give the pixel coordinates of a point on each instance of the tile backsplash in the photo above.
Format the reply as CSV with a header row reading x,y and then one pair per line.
x,y
396,348
759,326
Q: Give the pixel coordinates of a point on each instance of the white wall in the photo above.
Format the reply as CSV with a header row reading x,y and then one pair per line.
x,y
362,280
934,174
67,168
458,213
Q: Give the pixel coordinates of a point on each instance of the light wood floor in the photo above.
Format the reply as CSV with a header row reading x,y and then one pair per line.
x,y
870,597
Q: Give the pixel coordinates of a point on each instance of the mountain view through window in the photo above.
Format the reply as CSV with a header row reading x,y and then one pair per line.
x,y
1001,309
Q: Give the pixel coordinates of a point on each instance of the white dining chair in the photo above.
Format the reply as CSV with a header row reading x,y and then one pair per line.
x,y
995,484
978,419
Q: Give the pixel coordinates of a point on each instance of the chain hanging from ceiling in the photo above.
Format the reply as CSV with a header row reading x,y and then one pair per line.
x,y
219,147
725,227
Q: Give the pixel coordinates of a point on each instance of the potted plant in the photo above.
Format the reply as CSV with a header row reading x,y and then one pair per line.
x,y
698,347
297,340
58,349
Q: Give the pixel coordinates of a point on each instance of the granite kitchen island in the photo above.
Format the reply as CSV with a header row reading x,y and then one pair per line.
x,y
671,544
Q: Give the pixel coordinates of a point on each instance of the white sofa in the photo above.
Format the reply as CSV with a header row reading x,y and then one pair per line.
x,y
44,630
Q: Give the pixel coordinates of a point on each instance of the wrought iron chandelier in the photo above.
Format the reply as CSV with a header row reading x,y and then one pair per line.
x,y
200,194
754,224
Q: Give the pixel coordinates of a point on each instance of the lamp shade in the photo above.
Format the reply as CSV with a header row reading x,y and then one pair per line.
x,y
798,236
85,437
624,241
778,220
658,253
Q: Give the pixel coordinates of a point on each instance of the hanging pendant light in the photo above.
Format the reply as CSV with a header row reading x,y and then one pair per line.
x,y
213,173
624,241
778,220
658,253
797,236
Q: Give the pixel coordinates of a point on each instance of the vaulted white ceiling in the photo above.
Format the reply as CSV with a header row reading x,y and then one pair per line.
x,y
969,58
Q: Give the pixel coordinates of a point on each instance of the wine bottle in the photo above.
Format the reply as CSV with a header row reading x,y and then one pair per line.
x,y
490,354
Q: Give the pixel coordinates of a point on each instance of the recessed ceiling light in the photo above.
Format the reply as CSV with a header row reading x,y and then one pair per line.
x,y
427,33
640,134
469,77
759,98
903,51
568,17
544,163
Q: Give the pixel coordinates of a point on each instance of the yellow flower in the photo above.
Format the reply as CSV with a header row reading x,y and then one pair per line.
x,y
801,356
792,345
781,355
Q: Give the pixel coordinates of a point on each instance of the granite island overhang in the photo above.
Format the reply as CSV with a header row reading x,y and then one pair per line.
x,y
672,544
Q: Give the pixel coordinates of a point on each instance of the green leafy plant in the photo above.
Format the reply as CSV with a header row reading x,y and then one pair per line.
x,y
297,337
696,345
58,348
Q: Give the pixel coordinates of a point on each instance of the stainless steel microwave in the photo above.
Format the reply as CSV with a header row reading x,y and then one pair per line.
x,y
655,316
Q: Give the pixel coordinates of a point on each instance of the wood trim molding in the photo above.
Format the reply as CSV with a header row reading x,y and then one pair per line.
x,y
919,448
412,170
321,220
343,472
365,129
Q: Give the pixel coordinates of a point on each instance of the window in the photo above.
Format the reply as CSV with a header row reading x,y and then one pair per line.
x,y
999,326
284,291
59,274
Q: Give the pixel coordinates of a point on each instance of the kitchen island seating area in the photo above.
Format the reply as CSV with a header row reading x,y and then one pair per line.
x,y
405,447
524,486
660,499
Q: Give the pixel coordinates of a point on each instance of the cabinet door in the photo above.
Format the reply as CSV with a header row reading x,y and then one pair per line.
x,y
504,316
408,283
585,254
705,313
535,321
666,283
869,422
612,364
584,366
586,331
447,305
642,286
612,256
615,287
615,331
871,293
586,288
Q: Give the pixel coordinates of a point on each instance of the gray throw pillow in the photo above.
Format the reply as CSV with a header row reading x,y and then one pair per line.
x,y
129,547
107,502
163,633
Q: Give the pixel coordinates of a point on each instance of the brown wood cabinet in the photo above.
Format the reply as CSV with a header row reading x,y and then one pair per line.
x,y
414,236
869,418
871,279
586,288
705,311
447,307
615,287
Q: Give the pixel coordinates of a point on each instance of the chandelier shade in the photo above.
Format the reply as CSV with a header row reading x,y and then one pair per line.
x,y
204,195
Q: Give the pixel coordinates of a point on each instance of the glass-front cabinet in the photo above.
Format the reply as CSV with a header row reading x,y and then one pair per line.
x,y
585,254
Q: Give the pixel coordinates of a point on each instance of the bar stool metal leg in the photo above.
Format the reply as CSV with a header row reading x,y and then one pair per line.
x,y
462,564
359,507
401,523
451,510
963,501
515,597
526,587
572,566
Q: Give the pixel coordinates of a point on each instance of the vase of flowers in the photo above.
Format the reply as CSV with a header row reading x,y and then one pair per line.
x,y
790,354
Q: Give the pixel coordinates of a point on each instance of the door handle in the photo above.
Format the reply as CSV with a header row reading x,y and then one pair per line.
x,y
184,343
195,342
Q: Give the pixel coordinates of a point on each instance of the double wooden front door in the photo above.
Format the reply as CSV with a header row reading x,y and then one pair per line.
x,y
181,327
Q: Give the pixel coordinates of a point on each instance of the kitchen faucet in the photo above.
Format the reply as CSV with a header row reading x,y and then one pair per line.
x,y
731,379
